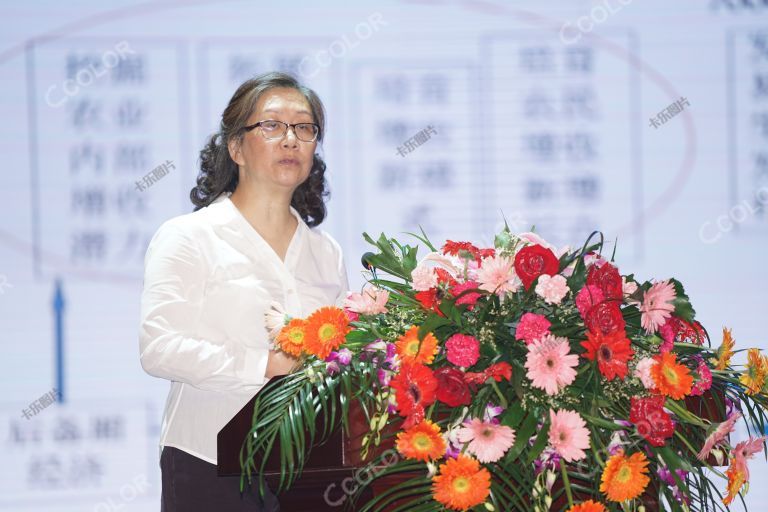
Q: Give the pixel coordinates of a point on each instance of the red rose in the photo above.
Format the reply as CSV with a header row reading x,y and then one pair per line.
x,y
607,278
651,420
605,318
533,261
677,329
451,388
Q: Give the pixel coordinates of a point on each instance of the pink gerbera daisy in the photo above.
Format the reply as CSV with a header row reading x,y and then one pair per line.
x,y
371,301
550,365
745,450
497,275
488,441
568,435
657,305
719,435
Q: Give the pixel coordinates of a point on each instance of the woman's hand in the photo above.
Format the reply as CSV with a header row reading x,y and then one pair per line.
x,y
280,363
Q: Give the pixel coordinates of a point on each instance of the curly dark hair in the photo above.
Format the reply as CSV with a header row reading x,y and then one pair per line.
x,y
219,173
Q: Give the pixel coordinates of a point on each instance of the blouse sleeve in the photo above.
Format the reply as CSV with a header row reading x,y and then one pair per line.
x,y
175,272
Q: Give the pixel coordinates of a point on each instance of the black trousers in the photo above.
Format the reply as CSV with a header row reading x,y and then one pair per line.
x,y
192,485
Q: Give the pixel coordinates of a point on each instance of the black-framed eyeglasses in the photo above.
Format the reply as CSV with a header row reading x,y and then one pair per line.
x,y
272,129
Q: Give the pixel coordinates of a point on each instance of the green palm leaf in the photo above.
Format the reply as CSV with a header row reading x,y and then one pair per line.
x,y
286,411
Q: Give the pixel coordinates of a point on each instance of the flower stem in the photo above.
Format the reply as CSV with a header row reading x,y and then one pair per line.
x,y
499,394
566,483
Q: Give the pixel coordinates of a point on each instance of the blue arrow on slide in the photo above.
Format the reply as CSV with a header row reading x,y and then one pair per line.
x,y
58,312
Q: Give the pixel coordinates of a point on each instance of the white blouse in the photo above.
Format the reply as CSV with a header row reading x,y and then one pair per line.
x,y
209,277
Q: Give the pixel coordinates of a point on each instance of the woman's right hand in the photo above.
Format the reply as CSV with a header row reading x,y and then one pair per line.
x,y
280,363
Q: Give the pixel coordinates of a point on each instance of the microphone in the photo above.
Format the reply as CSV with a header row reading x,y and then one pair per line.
x,y
367,264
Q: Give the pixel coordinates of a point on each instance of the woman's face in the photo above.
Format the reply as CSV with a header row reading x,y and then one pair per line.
x,y
283,162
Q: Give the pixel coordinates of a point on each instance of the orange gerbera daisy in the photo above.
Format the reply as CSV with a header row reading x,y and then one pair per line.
x,y
671,378
724,351
625,478
757,371
326,331
412,350
292,337
587,506
461,483
736,478
421,442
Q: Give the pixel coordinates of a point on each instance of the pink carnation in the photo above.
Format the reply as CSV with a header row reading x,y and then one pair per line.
x,y
704,381
643,372
532,326
424,278
470,298
551,288
587,297
668,332
463,350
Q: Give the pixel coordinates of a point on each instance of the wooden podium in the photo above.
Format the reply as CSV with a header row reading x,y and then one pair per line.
x,y
322,482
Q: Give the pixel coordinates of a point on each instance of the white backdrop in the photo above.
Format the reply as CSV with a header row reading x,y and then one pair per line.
x,y
546,113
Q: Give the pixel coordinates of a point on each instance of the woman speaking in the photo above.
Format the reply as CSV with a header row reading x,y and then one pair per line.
x,y
211,275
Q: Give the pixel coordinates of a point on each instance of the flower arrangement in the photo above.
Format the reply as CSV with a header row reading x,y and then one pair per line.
x,y
520,377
